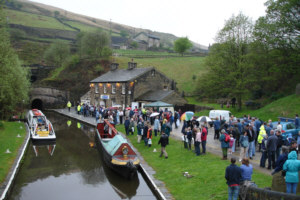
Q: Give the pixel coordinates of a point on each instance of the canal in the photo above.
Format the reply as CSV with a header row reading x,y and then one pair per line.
x,y
72,168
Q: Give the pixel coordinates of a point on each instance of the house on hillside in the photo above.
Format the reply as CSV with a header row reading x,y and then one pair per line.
x,y
133,87
144,38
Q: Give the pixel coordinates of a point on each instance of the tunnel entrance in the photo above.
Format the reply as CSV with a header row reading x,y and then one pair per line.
x,y
33,78
37,104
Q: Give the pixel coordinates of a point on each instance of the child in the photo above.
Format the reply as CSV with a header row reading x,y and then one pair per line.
x,y
231,142
189,136
149,135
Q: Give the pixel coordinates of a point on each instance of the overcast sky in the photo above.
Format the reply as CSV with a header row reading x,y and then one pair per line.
x,y
199,20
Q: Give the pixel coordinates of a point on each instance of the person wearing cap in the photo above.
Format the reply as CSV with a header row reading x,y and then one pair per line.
x,y
224,145
233,176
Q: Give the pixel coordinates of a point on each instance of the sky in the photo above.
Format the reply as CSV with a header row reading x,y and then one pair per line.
x,y
199,20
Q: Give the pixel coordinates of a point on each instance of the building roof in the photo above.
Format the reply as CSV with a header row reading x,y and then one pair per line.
x,y
121,75
158,104
148,35
157,95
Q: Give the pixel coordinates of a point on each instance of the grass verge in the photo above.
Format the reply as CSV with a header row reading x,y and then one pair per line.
x,y
208,171
9,140
284,107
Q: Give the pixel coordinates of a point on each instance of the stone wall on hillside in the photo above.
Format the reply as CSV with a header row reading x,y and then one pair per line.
x,y
46,32
298,89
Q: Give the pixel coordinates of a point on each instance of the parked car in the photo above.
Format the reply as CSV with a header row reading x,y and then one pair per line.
x,y
288,128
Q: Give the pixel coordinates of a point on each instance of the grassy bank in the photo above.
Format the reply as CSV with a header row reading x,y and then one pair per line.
x,y
9,140
285,107
208,171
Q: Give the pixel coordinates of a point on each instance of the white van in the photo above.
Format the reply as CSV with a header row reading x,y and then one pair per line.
x,y
221,114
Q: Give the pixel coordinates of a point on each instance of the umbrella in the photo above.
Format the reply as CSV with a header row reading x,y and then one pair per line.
x,y
187,115
204,119
154,114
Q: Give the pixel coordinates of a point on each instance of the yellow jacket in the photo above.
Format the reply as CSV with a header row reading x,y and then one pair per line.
x,y
261,132
78,108
69,104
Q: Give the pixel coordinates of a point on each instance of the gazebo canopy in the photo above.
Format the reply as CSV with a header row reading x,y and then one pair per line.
x,y
158,104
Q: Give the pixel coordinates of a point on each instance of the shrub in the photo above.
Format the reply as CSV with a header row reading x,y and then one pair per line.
x,y
1,125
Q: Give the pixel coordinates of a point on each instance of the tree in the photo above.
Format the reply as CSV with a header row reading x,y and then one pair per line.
x,y
181,45
124,33
228,70
134,44
14,83
277,49
57,53
95,44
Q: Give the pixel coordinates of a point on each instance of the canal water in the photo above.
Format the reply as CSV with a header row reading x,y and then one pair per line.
x,y
72,169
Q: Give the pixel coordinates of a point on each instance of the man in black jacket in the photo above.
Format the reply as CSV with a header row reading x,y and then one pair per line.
x,y
163,141
271,148
233,175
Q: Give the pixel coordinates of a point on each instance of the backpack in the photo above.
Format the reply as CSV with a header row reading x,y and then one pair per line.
x,y
227,137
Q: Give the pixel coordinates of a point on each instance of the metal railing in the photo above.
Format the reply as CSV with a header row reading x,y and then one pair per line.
x,y
250,192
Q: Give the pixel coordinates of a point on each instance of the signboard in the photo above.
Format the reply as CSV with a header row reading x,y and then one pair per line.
x,y
104,96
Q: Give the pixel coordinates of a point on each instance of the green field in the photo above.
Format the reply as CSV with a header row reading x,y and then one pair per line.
x,y
208,171
285,107
181,69
9,140
34,20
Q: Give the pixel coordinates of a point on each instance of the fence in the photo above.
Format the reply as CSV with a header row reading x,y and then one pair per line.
x,y
250,192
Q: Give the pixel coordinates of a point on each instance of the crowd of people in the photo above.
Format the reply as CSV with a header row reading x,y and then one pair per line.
x,y
252,135
248,135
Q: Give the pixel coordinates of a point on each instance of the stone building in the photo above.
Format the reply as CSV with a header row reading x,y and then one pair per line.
x,y
149,40
133,87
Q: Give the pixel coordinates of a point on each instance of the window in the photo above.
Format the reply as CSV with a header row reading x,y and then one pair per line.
x,y
153,72
96,88
113,88
104,89
123,88
165,87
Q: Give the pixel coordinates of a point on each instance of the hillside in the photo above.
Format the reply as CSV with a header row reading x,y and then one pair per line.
x,y
22,14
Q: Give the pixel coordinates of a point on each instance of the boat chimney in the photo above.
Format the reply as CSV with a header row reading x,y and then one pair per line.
x,y
114,66
131,65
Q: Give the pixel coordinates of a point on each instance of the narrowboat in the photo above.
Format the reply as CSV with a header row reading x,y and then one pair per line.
x,y
39,126
118,154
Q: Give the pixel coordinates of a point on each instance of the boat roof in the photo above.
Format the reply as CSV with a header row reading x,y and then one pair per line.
x,y
37,113
113,145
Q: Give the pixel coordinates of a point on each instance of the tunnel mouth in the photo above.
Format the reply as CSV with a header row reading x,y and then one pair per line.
x,y
37,104
33,79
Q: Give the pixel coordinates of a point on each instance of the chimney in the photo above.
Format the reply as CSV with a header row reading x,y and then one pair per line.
x,y
131,65
113,66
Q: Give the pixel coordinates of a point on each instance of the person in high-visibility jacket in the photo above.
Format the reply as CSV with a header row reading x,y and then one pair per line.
x,y
78,109
69,105
260,136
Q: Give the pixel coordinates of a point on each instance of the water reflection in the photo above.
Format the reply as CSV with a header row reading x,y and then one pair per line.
x,y
40,147
74,171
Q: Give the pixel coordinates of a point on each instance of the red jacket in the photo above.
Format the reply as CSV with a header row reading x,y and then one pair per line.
x,y
149,133
204,134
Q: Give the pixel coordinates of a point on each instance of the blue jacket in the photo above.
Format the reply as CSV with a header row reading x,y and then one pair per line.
x,y
246,172
297,122
280,161
233,174
223,143
292,166
126,123
217,124
156,124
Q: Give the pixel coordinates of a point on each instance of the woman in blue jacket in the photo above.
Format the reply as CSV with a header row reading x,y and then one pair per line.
x,y
224,145
291,166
